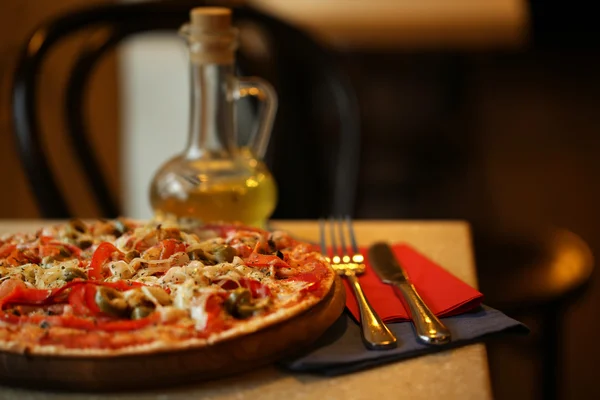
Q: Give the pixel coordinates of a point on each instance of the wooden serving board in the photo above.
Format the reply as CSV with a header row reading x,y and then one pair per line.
x,y
175,367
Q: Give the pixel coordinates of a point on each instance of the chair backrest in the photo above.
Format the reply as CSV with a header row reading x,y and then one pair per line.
x,y
314,150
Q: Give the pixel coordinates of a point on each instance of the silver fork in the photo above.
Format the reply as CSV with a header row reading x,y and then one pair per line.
x,y
375,333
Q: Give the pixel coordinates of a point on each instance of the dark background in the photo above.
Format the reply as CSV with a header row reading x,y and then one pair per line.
x,y
505,137
508,140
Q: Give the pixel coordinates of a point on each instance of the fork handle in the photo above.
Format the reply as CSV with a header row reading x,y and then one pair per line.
x,y
375,333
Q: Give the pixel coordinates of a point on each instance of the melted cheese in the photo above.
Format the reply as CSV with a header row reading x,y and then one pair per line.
x,y
190,283
198,311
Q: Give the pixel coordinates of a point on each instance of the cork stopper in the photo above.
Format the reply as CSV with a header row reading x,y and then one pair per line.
x,y
210,28
210,19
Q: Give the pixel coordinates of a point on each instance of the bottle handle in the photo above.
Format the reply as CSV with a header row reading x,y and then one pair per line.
x,y
264,92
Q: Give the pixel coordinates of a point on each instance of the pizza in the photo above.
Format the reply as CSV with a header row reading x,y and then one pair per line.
x,y
125,287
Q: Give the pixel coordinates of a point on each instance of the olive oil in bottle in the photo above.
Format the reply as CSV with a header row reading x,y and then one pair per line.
x,y
247,196
215,178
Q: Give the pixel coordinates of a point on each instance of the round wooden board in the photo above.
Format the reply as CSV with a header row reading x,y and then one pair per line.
x,y
175,367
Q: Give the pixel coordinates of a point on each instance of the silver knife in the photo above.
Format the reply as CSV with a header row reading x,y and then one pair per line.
x,y
429,328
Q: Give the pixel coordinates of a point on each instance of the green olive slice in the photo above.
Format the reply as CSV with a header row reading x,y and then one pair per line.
x,y
245,310
78,225
239,303
158,294
71,273
130,255
111,301
136,298
200,255
84,243
119,227
141,312
197,254
224,254
64,252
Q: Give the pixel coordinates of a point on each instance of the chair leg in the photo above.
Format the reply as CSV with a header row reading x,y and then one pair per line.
x,y
551,352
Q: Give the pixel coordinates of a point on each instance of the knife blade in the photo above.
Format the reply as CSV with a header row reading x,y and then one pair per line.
x,y
429,328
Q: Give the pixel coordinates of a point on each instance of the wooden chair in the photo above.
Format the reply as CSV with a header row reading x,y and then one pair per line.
x,y
301,72
539,279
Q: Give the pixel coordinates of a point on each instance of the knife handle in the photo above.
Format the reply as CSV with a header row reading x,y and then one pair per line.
x,y
375,333
429,328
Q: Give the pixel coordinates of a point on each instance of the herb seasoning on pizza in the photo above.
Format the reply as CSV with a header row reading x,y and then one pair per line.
x,y
125,287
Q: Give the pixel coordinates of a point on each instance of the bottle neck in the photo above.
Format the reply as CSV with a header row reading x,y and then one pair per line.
x,y
212,111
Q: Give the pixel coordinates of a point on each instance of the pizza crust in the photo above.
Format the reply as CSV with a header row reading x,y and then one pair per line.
x,y
225,356
48,354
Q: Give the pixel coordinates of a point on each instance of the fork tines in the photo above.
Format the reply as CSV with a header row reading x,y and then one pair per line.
x,y
342,232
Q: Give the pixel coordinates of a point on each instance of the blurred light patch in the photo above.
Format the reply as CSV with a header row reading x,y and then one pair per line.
x,y
378,24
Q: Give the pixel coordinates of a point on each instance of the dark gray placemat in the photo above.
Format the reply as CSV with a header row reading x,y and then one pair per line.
x,y
341,350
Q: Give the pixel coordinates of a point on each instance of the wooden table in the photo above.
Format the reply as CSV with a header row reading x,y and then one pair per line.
x,y
455,374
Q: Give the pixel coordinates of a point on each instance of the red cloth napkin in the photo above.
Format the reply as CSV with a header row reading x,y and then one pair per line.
x,y
444,293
